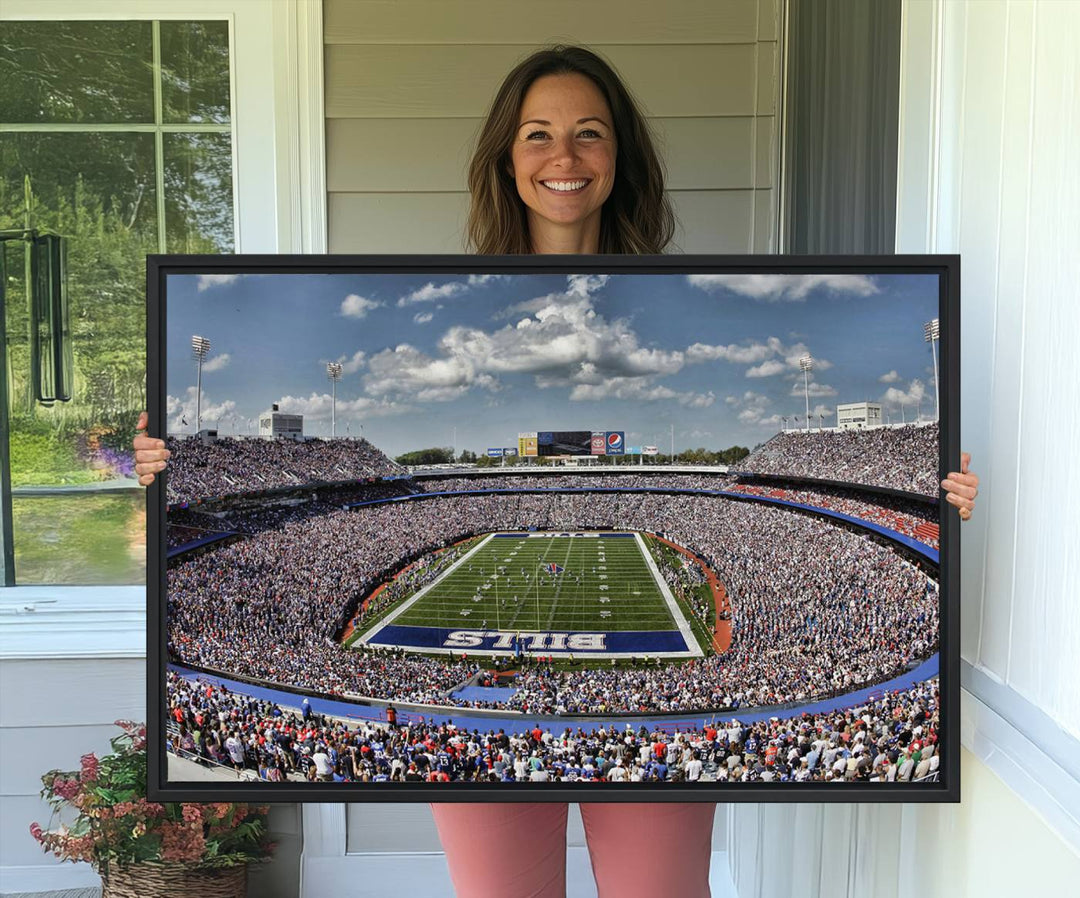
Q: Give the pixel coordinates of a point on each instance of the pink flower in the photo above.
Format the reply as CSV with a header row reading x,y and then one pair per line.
x,y
37,832
192,813
65,788
89,768
181,842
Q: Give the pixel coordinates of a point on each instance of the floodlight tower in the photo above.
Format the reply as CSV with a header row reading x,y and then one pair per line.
x,y
200,347
333,371
932,333
806,363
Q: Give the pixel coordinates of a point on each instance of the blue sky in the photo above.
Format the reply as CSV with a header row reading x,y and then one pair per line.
x,y
495,355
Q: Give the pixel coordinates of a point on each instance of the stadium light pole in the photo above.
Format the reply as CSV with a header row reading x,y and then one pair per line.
x,y
806,363
932,333
200,346
333,371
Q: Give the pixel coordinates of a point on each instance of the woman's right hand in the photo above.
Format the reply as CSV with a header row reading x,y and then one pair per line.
x,y
150,453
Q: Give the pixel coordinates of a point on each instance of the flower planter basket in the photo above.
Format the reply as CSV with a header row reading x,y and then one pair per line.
x,y
170,880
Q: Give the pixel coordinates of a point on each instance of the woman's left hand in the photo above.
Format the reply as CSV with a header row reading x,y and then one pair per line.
x,y
961,487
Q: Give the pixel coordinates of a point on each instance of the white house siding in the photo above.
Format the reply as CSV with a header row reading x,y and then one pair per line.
x,y
408,83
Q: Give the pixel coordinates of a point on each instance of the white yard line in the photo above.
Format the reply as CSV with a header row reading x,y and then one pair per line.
x,y
673,606
397,612
694,648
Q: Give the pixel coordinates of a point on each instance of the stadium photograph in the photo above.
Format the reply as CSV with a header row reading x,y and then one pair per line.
x,y
501,530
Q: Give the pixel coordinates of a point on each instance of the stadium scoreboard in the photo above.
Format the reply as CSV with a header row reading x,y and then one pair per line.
x,y
571,442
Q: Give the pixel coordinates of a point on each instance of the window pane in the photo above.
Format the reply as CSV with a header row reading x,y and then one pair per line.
x,y
98,191
81,539
198,193
79,517
76,72
195,72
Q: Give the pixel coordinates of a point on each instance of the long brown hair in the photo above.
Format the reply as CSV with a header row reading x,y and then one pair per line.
x,y
637,216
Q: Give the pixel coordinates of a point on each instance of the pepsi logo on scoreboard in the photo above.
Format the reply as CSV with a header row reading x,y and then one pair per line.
x,y
615,442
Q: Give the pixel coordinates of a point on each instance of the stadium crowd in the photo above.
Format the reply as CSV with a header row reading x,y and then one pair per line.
x,y
228,466
902,515
902,458
894,738
818,609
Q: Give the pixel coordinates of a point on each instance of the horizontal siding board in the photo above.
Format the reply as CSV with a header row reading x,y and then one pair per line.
x,y
706,153
392,154
71,693
397,222
765,151
768,77
387,154
768,27
455,81
17,846
710,221
389,826
765,221
713,221
556,21
28,752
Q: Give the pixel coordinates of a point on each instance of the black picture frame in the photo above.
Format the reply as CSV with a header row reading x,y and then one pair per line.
x,y
946,789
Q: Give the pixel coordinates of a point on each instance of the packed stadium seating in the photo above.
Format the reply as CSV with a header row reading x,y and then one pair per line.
x,y
894,738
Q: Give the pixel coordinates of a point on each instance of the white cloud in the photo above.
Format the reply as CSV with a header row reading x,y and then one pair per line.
x,y
216,363
766,359
585,284
479,280
816,390
823,411
777,287
767,369
183,407
353,306
206,281
407,371
915,392
559,339
423,317
639,390
319,407
353,364
430,292
890,378
740,355
752,408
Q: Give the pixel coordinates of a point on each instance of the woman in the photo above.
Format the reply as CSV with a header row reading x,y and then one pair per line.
x,y
565,164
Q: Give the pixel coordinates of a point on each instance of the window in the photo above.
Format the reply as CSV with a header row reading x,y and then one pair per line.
x,y
118,136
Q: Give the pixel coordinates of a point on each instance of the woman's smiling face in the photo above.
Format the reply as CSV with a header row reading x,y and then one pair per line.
x,y
563,155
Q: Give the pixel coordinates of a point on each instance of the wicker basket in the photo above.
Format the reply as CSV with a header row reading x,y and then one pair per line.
x,y
150,880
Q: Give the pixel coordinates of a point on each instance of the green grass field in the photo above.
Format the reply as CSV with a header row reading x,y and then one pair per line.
x,y
605,584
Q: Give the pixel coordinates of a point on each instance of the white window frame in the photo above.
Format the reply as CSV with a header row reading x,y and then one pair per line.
x,y
276,53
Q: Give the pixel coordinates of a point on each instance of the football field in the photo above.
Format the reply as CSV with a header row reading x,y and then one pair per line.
x,y
542,584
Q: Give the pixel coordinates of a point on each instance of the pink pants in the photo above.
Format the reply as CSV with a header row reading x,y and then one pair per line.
x,y
498,850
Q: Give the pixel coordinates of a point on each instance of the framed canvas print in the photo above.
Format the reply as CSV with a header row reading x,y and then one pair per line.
x,y
554,528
